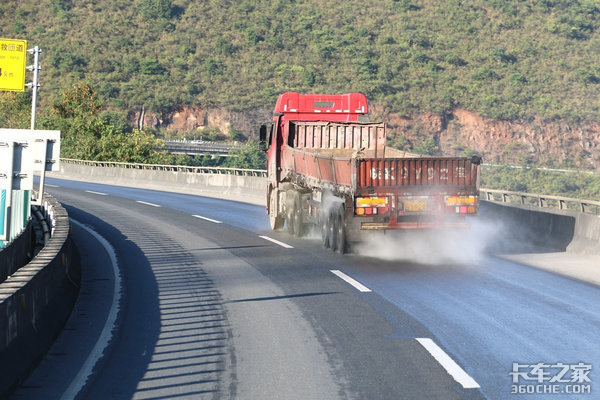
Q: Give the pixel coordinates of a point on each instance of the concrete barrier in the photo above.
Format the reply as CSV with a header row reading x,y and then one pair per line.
x,y
556,230
36,301
586,238
17,253
249,189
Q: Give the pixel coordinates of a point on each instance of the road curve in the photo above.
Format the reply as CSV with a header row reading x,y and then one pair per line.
x,y
214,305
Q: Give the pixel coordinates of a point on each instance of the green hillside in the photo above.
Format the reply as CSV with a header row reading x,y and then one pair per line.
x,y
507,59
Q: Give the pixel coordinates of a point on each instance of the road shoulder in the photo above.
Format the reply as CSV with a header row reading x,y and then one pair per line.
x,y
582,267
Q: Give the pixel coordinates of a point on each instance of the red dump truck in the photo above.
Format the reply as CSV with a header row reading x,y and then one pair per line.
x,y
329,167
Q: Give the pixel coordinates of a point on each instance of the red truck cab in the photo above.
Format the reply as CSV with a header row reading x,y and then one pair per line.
x,y
348,107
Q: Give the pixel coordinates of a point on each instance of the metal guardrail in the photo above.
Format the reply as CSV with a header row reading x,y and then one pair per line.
x,y
206,143
201,147
561,170
542,201
172,168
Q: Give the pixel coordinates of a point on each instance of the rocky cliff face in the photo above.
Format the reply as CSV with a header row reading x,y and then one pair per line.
x,y
194,120
458,133
462,132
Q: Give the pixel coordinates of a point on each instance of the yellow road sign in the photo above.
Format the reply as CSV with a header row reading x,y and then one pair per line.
x,y
13,57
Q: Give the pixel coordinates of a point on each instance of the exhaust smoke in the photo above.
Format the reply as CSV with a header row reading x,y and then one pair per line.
x,y
463,246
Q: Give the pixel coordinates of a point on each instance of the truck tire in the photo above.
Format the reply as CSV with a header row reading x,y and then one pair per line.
x,y
341,244
332,228
294,213
324,222
275,219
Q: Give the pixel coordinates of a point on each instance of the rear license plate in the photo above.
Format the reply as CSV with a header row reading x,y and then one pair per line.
x,y
415,205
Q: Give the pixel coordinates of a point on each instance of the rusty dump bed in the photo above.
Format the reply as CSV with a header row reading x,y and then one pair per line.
x,y
352,157
338,139
429,171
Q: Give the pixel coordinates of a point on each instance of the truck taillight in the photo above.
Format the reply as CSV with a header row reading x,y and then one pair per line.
x,y
463,205
371,205
371,201
460,200
369,211
465,209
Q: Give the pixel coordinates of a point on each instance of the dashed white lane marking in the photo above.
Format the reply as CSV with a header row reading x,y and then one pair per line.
x,y
109,325
350,280
287,246
448,363
49,185
146,203
207,219
98,193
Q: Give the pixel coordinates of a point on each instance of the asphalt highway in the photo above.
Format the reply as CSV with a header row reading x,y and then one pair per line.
x,y
192,297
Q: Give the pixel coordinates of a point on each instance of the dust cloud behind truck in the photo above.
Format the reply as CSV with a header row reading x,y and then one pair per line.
x,y
329,167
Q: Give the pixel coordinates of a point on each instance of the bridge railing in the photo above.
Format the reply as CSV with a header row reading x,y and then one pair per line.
x,y
202,147
541,200
205,145
173,168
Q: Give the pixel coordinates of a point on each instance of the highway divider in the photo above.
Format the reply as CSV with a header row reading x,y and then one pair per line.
x,y
244,185
36,300
17,253
555,230
558,223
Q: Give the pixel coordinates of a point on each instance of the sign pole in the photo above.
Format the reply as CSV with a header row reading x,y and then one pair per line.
x,y
40,196
35,84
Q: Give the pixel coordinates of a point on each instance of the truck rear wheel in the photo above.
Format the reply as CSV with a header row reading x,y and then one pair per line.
x,y
294,213
275,219
337,230
324,220
340,238
332,229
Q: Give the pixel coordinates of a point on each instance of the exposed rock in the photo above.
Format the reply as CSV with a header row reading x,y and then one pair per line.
x,y
187,119
551,143
193,119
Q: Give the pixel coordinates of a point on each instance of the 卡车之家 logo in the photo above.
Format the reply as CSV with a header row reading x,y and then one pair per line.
x,y
542,378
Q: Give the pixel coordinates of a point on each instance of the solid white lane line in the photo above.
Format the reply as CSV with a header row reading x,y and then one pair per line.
x,y
109,325
99,193
148,204
448,363
49,185
351,281
207,219
287,246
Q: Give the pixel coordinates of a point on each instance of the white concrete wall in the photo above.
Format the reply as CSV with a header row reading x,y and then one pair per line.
x,y
248,189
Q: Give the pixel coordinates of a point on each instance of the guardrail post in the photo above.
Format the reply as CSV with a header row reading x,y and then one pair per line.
x,y
582,204
504,197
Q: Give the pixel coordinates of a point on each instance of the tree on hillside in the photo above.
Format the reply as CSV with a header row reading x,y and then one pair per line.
x,y
15,110
155,9
87,135
250,157
76,113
